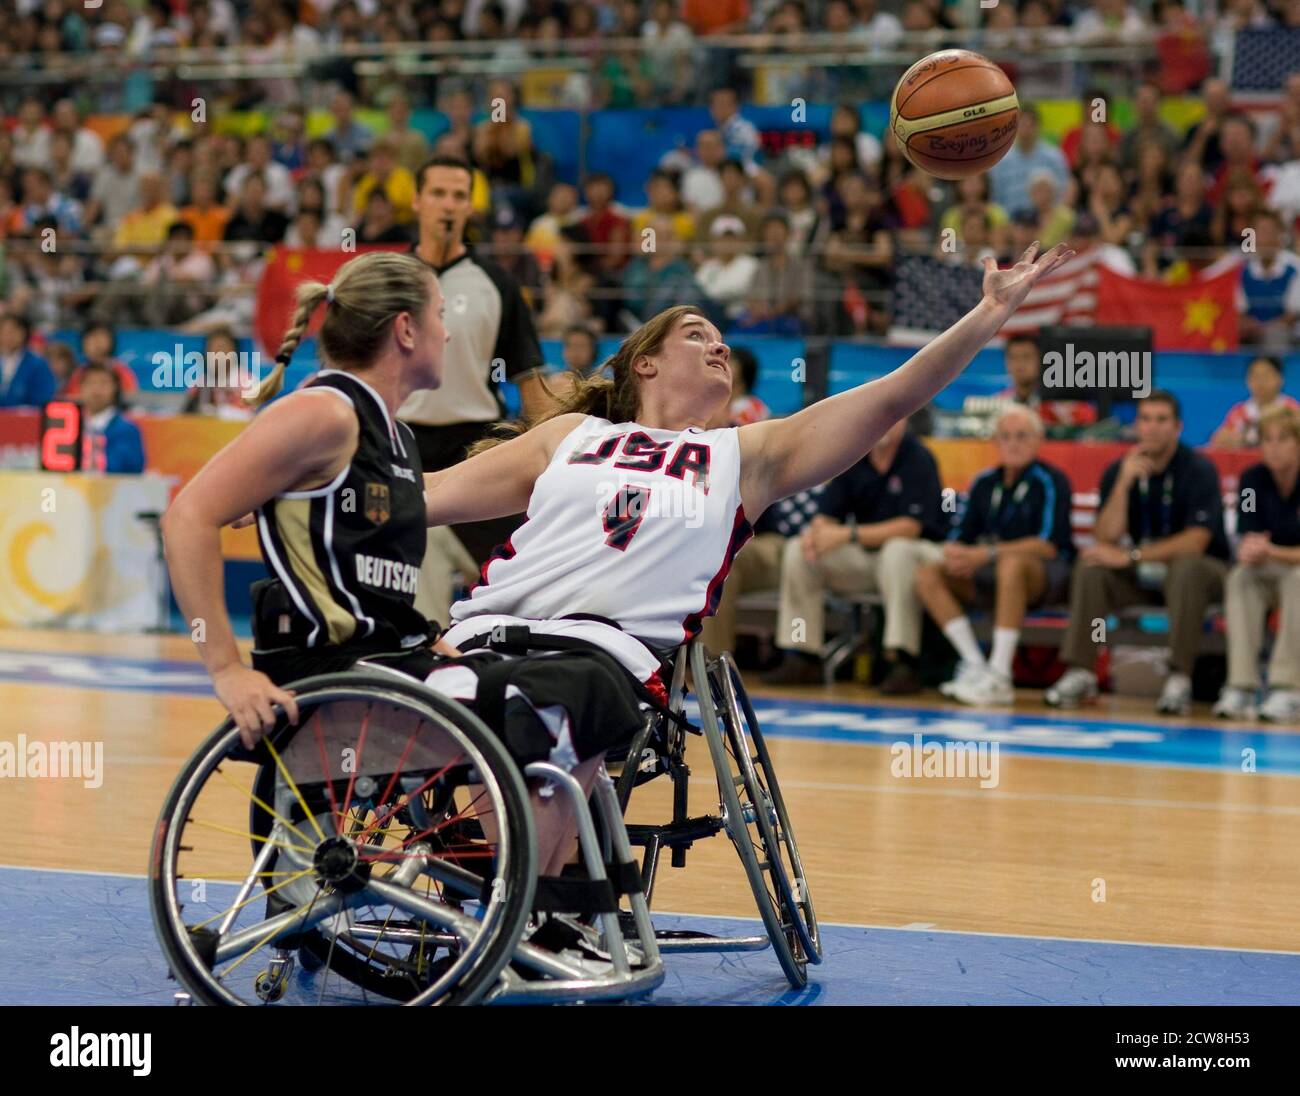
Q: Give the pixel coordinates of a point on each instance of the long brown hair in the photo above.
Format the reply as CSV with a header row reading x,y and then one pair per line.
x,y
366,295
616,397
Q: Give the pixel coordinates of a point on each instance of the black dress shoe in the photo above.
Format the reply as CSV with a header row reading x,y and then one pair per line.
x,y
796,668
902,680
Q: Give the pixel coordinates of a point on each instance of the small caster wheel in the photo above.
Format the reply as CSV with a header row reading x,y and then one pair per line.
x,y
268,989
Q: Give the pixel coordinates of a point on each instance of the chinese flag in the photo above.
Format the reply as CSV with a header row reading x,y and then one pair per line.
x,y
1200,314
285,267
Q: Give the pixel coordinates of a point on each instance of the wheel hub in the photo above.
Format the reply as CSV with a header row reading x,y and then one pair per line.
x,y
337,865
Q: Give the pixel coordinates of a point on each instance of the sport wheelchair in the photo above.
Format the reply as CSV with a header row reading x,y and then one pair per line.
x,y
393,852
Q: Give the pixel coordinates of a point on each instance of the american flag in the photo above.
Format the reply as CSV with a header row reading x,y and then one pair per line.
x,y
928,298
1263,58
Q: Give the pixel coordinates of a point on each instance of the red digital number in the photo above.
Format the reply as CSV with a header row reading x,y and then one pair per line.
x,y
61,436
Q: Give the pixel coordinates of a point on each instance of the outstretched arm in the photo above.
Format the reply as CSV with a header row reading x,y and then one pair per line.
x,y
782,456
498,482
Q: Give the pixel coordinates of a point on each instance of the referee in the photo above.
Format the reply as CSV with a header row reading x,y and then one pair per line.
x,y
492,339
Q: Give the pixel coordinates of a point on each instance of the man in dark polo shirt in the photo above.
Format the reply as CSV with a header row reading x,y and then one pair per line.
x,y
1160,538
1267,575
1011,552
891,496
492,340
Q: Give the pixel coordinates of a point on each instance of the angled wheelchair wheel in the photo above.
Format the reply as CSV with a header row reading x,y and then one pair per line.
x,y
393,854
758,828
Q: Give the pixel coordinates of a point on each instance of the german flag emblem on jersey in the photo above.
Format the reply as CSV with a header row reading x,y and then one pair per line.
x,y
377,508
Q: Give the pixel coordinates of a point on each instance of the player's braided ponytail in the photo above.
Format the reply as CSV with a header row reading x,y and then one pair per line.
x,y
364,297
611,391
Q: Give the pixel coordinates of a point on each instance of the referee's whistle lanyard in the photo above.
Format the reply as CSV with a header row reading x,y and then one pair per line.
x,y
1166,507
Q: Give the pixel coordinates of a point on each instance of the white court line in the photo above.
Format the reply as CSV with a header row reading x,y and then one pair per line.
x,y
1046,797
916,926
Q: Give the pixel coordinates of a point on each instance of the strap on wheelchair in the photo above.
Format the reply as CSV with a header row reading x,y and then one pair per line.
x,y
519,639
576,894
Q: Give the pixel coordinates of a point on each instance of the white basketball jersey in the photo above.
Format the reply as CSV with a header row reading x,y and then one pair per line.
x,y
636,525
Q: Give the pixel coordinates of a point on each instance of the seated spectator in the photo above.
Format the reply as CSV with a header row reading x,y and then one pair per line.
x,y
727,276
665,200
378,223
312,199
1201,143
205,215
1147,130
1160,538
841,161
739,134
503,148
1268,297
973,242
781,297
1095,110
386,173
1267,574
145,227
1240,204
745,407
973,194
1237,144
1109,22
114,189
574,274
252,221
886,502
110,441
65,177
701,175
412,146
609,229
221,356
509,253
795,200
180,280
1106,202
62,360
861,251
660,278
668,43
324,169
98,347
1024,362
45,280
1055,218
85,145
258,161
349,137
1011,553
1010,176
1186,212
457,104
41,201
1240,427
25,378
706,17
737,201
580,349
542,234
1150,181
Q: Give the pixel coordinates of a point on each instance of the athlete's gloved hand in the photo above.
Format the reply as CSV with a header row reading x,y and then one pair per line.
x,y
248,696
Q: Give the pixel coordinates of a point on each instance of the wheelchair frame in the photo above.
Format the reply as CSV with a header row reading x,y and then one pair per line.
x,y
750,803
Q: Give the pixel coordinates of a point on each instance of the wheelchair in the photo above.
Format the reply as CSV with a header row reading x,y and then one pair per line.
x,y
393,853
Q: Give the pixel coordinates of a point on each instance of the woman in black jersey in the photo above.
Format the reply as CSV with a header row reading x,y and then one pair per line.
x,y
335,483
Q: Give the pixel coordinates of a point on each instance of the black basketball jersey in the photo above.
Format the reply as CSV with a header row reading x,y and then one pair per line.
x,y
349,553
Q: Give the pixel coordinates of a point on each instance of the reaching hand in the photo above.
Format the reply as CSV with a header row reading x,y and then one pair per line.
x,y
1008,288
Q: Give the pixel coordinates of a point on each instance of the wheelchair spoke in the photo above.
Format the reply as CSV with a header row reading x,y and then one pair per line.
x,y
254,898
307,842
325,770
361,745
293,787
248,835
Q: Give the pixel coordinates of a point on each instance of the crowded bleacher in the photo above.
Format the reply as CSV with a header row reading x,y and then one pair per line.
x,y
164,166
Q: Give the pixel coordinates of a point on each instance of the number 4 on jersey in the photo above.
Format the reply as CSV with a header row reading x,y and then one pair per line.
x,y
623,515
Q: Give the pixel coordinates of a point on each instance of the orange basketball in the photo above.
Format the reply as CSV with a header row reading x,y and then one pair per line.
x,y
955,113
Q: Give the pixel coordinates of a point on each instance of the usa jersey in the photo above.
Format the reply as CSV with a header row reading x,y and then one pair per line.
x,y
633,524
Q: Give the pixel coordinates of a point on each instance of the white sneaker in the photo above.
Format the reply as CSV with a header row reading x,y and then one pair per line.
x,y
1176,699
967,674
989,690
1281,706
1236,703
1074,687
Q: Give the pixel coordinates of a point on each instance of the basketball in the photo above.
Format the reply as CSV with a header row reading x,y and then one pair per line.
x,y
954,113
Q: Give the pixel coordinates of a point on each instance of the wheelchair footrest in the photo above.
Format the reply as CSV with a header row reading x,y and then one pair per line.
x,y
670,940
676,834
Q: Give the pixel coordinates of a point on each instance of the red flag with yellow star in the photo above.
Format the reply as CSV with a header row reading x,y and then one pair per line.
x,y
285,267
1199,314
